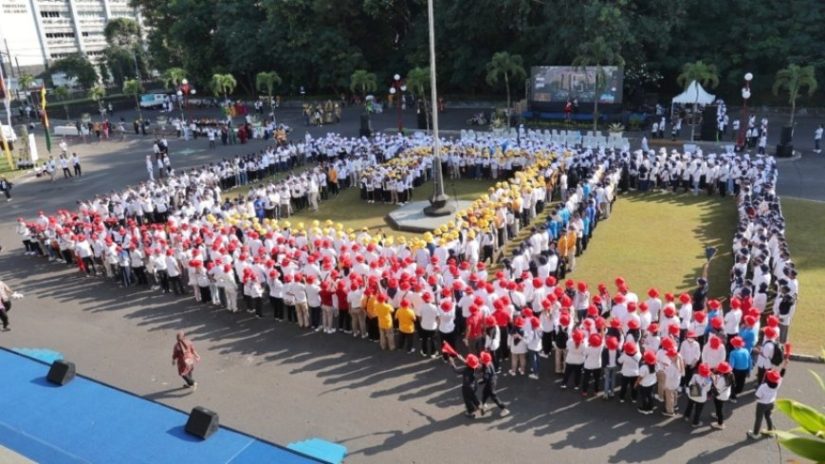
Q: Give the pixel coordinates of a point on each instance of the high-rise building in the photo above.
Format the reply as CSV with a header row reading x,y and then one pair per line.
x,y
36,32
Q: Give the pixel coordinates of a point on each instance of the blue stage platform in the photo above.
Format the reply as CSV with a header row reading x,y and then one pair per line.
x,y
88,422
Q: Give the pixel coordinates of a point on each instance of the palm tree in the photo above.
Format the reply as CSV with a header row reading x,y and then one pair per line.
x,y
173,77
507,66
266,81
96,93
223,84
418,80
702,73
62,94
597,53
24,82
792,79
133,87
363,82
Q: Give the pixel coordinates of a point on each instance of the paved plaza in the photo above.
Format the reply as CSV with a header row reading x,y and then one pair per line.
x,y
283,384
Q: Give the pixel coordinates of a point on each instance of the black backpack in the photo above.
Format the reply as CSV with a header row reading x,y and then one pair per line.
x,y
778,354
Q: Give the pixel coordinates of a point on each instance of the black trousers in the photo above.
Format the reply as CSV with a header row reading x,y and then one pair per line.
x,y
488,393
647,397
470,399
4,317
427,342
763,411
625,382
595,375
189,378
278,307
315,316
344,321
696,408
574,370
372,328
720,406
739,378
176,284
140,273
163,280
406,342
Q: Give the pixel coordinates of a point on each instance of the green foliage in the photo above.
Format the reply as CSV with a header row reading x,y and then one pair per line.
x,y
507,67
792,79
25,81
132,87
598,53
122,32
173,77
418,81
79,67
61,93
808,439
703,73
97,92
266,81
223,84
363,82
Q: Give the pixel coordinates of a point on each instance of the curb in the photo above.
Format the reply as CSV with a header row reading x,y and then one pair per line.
x,y
797,155
807,358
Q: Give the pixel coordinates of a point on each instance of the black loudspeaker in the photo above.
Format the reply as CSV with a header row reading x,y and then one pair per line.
x,y
784,151
366,127
787,135
202,422
709,124
61,372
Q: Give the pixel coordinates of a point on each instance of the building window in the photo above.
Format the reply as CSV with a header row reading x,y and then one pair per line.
x,y
60,35
49,14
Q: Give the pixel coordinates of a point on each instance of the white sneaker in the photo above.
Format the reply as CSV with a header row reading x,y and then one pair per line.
x,y
534,376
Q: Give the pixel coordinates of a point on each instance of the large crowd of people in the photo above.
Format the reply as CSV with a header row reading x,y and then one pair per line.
x,y
181,235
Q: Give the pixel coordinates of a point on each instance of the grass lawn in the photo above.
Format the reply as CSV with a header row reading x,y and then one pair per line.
x,y
658,240
805,221
351,211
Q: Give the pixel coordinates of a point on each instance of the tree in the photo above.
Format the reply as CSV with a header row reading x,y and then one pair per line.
x,y
506,66
418,80
79,67
24,82
62,94
133,87
792,79
705,74
363,82
96,93
173,77
223,84
597,53
266,81
122,32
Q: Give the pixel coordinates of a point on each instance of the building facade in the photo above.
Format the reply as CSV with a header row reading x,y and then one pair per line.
x,y
34,33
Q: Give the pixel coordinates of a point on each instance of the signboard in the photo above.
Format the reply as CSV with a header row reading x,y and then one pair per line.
x,y
558,84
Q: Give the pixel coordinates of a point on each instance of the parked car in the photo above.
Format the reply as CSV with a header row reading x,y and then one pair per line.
x,y
152,100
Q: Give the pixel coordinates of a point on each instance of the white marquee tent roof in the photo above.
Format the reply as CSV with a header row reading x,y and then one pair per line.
x,y
694,94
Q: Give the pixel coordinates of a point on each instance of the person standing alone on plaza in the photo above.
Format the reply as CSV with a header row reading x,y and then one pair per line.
x,y
818,139
185,357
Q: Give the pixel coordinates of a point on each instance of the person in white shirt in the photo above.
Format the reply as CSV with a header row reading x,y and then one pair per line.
x,y
723,385
698,388
518,347
691,352
630,370
173,270
592,364
647,382
674,369
574,360
428,321
230,288
765,399
357,313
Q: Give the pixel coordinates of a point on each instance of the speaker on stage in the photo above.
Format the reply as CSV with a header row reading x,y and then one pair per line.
x,y
61,372
366,127
709,124
202,422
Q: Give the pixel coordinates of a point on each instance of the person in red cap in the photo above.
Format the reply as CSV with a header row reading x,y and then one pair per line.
x,y
765,399
446,322
592,363
770,354
469,383
629,360
560,338
722,388
697,392
489,380
691,354
518,347
610,363
741,364
674,369
574,360
492,341
646,382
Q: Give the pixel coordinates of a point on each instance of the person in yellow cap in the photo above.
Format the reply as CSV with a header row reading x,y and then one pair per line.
x,y
384,311
406,326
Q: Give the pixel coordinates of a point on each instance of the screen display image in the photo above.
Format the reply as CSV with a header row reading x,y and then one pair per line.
x,y
557,84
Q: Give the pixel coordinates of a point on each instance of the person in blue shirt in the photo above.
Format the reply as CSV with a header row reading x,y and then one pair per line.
x,y
741,362
748,333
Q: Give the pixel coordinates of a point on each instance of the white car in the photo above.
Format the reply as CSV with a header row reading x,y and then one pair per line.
x,y
152,100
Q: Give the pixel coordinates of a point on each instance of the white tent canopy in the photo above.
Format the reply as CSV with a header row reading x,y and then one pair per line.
x,y
695,93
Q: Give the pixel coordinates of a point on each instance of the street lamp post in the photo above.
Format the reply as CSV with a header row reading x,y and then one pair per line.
x,y
743,124
398,87
184,90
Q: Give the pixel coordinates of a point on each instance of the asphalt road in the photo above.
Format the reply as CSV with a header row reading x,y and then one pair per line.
x,y
272,380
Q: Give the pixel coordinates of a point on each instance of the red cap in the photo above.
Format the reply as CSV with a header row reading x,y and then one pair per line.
x,y
650,357
715,343
772,321
630,348
564,320
717,322
633,324
612,343
684,298
615,323
750,321
669,311
582,287
723,368
699,316
771,332
519,322
773,376
703,370
578,336
737,342
653,293
595,340
653,328
472,361
486,358
618,299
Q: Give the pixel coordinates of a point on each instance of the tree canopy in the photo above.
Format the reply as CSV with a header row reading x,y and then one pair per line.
x,y
79,67
322,42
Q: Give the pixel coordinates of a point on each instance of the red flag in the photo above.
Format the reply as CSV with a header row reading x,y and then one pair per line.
x,y
787,351
448,350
